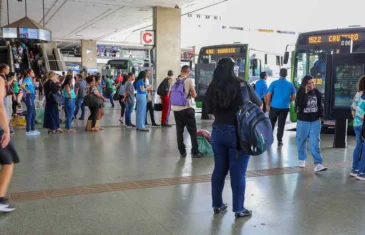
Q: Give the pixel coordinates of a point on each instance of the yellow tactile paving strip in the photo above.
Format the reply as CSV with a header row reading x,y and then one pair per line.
x,y
135,185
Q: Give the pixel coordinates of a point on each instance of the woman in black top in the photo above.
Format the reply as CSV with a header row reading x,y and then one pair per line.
x,y
223,99
309,106
51,112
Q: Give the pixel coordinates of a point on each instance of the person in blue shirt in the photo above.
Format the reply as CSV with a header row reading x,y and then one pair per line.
x,y
281,92
141,89
28,87
70,97
261,88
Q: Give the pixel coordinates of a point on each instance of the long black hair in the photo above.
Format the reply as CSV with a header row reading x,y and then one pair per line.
x,y
67,81
225,84
141,76
301,91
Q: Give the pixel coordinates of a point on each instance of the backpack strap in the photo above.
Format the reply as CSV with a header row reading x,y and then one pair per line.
x,y
244,93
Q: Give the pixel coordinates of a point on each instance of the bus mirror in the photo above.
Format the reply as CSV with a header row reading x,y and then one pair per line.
x,y
265,59
281,60
254,63
286,57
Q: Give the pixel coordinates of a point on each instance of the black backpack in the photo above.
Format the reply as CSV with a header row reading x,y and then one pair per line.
x,y
163,88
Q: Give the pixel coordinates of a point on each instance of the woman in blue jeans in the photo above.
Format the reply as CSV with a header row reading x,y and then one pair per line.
x,y
308,104
141,89
223,99
70,98
358,111
28,87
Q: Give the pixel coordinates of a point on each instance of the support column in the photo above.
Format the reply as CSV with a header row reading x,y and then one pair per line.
x,y
167,27
88,54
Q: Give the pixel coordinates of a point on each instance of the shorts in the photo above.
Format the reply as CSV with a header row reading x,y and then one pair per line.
x,y
8,155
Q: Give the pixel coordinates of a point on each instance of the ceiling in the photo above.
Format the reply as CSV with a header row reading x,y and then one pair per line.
x,y
111,21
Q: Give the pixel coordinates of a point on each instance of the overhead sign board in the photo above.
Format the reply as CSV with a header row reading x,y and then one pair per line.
x,y
148,38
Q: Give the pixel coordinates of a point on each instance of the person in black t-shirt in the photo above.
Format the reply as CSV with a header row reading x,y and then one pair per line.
x,y
309,106
223,99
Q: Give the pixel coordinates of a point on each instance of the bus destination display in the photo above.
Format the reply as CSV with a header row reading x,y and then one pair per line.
x,y
222,51
334,38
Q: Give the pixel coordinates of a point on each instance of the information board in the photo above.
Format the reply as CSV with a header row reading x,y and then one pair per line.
x,y
203,76
10,33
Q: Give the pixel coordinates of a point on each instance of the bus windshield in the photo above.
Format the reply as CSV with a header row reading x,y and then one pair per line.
x,y
240,61
311,62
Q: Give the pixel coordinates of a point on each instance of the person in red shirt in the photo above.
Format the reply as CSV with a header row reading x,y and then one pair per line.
x,y
119,79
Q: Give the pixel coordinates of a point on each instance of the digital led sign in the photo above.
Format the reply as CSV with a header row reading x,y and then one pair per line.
x,y
222,51
334,38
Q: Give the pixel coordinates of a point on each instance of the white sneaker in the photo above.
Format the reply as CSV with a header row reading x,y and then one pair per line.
x,y
30,133
301,163
319,168
6,208
35,132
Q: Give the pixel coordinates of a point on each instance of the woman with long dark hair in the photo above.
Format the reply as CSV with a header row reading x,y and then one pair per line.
x,y
309,107
51,112
223,99
29,88
94,111
141,89
70,97
358,112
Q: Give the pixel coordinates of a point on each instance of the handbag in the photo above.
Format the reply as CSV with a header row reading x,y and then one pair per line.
x,y
58,98
92,101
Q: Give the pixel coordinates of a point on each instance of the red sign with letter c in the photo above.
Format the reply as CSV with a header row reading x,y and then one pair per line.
x,y
147,37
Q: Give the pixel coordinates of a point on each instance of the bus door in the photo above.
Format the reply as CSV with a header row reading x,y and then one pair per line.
x,y
255,70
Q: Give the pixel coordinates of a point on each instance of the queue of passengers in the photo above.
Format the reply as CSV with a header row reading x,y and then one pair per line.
x,y
223,100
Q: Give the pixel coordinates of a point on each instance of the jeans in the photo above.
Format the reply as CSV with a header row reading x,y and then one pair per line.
x,y
31,113
311,131
278,115
70,108
110,97
80,104
128,113
186,118
141,111
165,100
152,112
357,151
226,158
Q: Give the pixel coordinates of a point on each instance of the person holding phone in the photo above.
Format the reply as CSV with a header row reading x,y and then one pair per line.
x,y
309,106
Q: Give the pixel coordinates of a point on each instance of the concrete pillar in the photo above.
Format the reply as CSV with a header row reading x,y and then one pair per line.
x,y
88,54
167,27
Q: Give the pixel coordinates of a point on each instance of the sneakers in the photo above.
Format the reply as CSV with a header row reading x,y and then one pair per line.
x,y
360,177
220,209
144,130
244,213
6,207
130,126
301,164
319,168
280,144
155,125
183,155
147,124
354,173
81,119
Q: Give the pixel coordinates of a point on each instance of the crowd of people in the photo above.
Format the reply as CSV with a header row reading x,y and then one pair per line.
x,y
223,100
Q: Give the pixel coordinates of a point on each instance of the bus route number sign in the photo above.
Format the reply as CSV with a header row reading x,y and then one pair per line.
x,y
335,38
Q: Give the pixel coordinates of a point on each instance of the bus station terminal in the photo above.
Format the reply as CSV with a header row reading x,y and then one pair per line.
x,y
114,171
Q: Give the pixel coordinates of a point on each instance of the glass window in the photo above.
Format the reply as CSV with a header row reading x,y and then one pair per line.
x,y
347,77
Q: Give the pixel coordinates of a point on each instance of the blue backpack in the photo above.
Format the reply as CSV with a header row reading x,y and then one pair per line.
x,y
254,127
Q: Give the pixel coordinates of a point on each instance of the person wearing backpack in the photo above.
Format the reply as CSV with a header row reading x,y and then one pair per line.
x,y
162,91
181,93
308,104
280,93
358,112
224,99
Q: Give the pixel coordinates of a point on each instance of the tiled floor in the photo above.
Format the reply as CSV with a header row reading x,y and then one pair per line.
x,y
122,182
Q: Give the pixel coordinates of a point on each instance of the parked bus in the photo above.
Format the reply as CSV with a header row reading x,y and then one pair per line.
x,y
249,64
123,66
309,57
